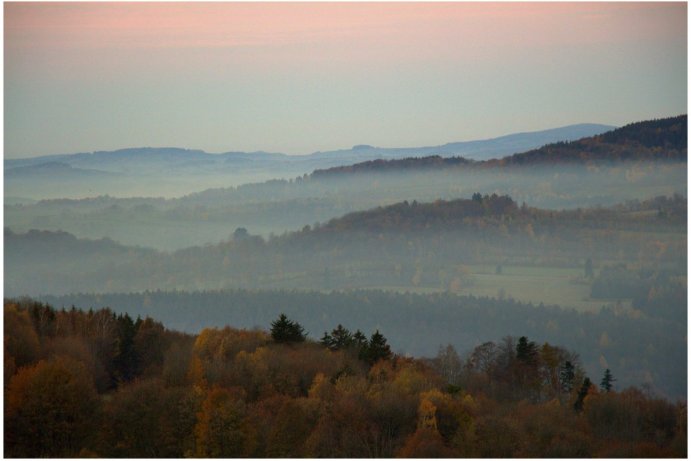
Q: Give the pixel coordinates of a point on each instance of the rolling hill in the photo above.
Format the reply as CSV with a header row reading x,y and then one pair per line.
x,y
174,172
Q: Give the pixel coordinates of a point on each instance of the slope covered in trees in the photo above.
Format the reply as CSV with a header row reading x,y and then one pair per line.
x,y
649,141
643,348
98,384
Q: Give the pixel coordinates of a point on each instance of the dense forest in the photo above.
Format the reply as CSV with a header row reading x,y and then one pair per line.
x,y
646,347
97,383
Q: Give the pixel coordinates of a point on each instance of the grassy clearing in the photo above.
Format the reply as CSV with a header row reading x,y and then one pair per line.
x,y
548,285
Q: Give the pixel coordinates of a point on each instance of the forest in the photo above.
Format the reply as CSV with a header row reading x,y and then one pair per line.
x,y
645,347
100,384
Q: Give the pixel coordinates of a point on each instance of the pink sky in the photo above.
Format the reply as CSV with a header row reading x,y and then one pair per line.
x,y
370,32
321,69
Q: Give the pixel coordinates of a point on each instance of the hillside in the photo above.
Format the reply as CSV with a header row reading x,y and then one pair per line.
x,y
97,384
654,140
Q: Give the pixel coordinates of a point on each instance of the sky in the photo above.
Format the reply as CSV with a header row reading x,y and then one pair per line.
x,y
304,77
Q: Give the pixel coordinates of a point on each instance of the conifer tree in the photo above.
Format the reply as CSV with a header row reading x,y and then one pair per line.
x,y
582,393
360,339
284,330
342,338
377,349
327,340
607,380
526,351
566,376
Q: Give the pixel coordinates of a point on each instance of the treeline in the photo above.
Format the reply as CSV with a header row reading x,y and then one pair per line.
x,y
84,384
657,293
652,140
406,245
643,349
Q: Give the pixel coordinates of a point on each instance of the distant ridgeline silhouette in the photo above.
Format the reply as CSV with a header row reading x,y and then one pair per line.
x,y
653,140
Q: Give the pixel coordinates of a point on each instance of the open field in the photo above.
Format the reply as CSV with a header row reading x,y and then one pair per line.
x,y
548,285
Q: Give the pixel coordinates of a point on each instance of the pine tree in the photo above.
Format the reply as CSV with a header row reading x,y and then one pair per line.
x,y
377,349
582,393
284,330
566,376
327,340
342,338
607,380
526,351
360,339
125,360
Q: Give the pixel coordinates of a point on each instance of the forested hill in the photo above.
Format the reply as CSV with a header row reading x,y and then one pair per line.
x,y
99,384
494,213
653,140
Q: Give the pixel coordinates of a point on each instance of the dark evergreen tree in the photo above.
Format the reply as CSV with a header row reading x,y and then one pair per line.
x,y
342,338
582,393
284,330
607,380
240,234
360,339
326,340
566,376
526,351
377,349
125,360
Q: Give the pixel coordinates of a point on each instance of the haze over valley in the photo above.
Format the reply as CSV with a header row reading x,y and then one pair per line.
x,y
196,265
611,233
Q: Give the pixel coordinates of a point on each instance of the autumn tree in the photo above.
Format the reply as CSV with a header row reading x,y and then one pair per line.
x,y
448,364
145,419
51,410
425,443
290,427
22,344
221,431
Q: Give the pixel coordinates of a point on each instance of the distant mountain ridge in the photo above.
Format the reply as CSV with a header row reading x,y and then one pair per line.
x,y
173,172
481,149
114,161
663,139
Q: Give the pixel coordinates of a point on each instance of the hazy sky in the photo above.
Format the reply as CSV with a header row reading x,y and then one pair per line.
x,y
297,78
